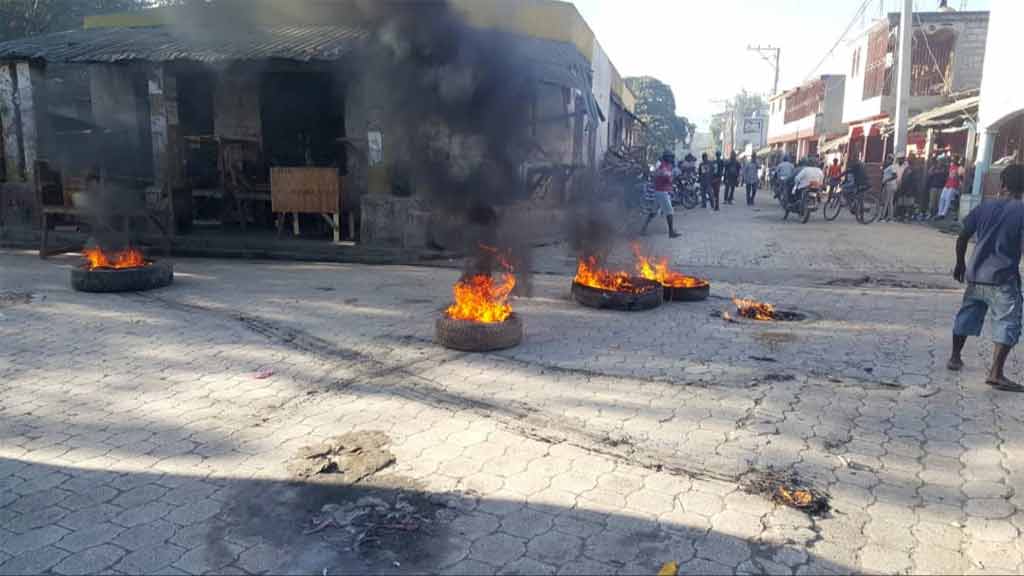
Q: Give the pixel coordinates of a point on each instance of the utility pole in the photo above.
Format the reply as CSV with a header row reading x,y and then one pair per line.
x,y
903,80
771,55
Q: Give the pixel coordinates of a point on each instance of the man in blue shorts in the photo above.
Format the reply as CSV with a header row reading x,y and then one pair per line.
x,y
993,277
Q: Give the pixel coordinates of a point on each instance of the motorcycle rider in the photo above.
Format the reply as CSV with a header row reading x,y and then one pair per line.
x,y
808,174
784,173
664,176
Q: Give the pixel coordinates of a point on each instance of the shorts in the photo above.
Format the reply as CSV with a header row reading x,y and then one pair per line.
x,y
662,203
1003,301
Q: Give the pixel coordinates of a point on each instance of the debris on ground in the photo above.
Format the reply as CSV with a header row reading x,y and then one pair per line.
x,y
263,373
10,299
762,358
369,519
776,377
787,489
884,282
348,458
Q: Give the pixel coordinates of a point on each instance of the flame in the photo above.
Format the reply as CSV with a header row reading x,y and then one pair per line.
x,y
589,273
660,272
479,298
754,310
795,498
129,258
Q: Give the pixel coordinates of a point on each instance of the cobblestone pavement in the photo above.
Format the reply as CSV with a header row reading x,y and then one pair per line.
x,y
149,433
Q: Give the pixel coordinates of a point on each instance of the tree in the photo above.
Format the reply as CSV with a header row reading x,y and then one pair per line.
x,y
19,18
656,107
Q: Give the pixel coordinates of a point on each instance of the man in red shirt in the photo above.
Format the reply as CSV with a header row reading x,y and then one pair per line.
x,y
663,177
835,175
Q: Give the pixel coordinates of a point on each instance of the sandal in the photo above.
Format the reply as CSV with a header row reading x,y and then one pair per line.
x,y
1005,384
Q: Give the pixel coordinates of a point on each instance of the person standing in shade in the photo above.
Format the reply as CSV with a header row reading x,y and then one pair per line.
x,y
751,171
732,177
993,277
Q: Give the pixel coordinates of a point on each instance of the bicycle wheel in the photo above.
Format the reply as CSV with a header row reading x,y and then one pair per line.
x,y
869,206
833,206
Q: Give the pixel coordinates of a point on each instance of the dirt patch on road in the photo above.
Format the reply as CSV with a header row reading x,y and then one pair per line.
x,y
888,282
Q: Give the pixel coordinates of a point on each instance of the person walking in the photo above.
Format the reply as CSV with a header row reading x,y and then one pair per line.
x,y
889,185
993,277
706,172
732,177
750,178
835,175
664,175
717,172
951,191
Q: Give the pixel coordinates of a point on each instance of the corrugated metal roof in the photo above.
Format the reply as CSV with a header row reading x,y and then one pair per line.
x,y
161,44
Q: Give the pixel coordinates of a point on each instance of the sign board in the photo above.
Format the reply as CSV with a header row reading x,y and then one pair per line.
x,y
305,190
752,125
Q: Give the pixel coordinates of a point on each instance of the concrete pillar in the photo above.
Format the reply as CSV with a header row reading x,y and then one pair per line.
x,y
9,123
985,148
157,124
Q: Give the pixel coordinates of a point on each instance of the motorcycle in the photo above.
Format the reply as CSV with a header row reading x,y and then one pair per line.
x,y
686,191
803,201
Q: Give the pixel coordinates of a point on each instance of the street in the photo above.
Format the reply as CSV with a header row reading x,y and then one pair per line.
x,y
152,432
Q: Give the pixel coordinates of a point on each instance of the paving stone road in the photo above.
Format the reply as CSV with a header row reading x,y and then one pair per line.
x,y
150,433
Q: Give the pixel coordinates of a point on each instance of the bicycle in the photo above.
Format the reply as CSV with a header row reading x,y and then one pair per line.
x,y
862,201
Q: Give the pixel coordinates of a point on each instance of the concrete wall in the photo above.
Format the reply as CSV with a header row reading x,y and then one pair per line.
x,y
602,87
1001,90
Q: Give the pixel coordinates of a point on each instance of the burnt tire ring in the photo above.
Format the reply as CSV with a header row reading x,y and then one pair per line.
x,y
649,295
467,336
149,277
683,294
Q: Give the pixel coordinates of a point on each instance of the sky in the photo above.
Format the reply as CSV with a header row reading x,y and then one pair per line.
x,y
699,47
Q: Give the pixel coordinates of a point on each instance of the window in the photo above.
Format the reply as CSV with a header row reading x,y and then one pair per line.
x,y
855,68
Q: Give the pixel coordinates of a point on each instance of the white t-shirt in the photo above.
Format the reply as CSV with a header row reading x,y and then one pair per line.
x,y
806,175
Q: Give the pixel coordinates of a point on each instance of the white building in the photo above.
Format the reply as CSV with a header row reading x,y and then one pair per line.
x,y
1001,111
948,49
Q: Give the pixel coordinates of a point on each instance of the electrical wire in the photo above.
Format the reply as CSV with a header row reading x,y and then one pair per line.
x,y
856,16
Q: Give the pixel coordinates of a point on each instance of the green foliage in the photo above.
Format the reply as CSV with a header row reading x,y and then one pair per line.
x,y
20,18
656,107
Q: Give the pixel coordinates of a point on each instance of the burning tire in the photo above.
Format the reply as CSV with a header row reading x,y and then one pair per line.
x,y
148,277
469,336
687,294
645,295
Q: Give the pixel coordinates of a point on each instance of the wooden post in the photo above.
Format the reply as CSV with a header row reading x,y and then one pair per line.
x,y
9,123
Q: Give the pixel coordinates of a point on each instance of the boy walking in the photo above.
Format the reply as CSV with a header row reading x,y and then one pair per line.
x,y
993,277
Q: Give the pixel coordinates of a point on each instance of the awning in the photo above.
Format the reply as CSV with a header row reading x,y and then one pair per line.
x,y
955,114
835,144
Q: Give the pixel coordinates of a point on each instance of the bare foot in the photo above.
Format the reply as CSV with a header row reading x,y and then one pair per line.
x,y
1004,384
955,364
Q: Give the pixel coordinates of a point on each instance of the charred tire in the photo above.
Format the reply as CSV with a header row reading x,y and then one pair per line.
x,y
651,296
155,275
467,336
678,294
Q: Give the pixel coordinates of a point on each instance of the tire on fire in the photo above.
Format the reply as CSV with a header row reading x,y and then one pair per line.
x,y
649,296
683,294
154,275
468,336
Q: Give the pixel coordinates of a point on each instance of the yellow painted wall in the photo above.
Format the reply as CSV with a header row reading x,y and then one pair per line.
x,y
547,19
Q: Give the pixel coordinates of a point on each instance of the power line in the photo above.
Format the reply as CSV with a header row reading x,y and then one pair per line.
x,y
863,7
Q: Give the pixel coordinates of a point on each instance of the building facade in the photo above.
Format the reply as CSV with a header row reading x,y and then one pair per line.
x,y
802,118
948,49
208,97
